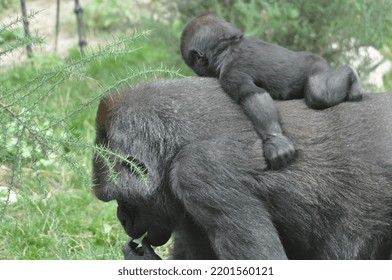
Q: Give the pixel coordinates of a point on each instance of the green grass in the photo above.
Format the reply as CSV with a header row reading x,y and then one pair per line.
x,y
69,224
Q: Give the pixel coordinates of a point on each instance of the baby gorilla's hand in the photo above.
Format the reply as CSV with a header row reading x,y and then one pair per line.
x,y
132,251
278,150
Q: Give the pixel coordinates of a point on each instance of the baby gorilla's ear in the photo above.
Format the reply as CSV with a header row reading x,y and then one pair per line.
x,y
198,57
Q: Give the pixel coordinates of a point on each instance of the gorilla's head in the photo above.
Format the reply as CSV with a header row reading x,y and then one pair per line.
x,y
140,188
203,39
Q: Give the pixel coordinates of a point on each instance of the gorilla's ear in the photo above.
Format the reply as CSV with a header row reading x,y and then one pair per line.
x,y
198,57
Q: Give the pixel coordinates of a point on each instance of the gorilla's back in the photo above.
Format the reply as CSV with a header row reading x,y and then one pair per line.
x,y
354,129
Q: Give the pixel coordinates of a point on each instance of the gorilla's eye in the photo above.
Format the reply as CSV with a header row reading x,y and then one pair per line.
x,y
137,167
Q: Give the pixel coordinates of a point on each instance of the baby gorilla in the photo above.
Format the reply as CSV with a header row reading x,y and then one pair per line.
x,y
252,71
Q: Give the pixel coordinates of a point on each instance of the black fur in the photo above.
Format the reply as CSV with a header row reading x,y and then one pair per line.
x,y
252,71
208,183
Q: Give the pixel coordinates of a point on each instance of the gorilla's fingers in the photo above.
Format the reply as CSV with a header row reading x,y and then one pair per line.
x,y
149,253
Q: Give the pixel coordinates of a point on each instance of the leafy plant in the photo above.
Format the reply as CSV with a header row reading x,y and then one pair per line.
x,y
47,113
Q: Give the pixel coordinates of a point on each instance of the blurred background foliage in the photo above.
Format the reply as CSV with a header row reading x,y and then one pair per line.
x,y
48,103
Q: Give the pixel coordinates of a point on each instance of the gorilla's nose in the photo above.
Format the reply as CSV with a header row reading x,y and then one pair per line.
x,y
100,193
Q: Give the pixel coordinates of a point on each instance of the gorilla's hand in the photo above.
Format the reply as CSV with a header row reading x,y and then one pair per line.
x,y
132,251
278,150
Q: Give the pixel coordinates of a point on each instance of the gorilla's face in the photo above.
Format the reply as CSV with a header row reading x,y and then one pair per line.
x,y
134,191
134,198
194,48
203,39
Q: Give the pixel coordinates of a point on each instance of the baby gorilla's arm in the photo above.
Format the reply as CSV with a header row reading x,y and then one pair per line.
x,y
260,109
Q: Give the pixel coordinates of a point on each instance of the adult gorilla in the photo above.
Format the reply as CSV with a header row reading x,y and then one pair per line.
x,y
209,186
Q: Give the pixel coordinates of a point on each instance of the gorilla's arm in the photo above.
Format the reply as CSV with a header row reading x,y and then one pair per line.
x,y
238,225
260,109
